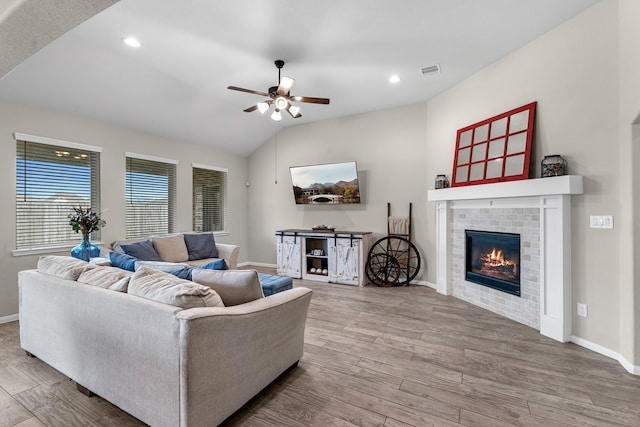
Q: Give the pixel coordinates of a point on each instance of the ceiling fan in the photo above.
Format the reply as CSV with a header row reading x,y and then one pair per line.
x,y
280,97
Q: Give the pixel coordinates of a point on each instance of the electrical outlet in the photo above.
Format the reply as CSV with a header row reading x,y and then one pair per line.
x,y
582,310
601,221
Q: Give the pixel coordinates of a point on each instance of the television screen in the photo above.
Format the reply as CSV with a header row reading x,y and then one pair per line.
x,y
326,184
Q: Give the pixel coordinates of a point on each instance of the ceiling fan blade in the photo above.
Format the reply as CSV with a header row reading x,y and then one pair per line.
x,y
286,83
255,92
310,99
256,106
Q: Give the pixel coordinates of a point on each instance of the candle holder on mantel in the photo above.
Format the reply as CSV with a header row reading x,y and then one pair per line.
x,y
441,181
553,165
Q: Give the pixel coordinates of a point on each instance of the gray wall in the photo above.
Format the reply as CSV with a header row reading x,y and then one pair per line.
x,y
574,73
390,150
115,141
629,191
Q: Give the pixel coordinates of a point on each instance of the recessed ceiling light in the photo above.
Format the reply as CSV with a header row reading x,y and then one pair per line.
x,y
394,78
131,41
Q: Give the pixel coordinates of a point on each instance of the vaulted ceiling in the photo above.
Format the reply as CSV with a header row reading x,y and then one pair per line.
x,y
175,83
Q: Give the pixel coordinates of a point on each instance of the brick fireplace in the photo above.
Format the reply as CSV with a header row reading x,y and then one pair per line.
x,y
539,212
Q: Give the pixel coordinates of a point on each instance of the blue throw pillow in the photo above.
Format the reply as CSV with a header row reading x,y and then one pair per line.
x,y
142,250
183,273
123,261
218,264
200,246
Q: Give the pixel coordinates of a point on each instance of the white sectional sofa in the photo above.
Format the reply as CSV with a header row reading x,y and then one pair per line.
x,y
164,364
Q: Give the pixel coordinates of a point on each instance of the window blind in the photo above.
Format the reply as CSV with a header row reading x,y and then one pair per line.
x,y
150,197
50,181
209,199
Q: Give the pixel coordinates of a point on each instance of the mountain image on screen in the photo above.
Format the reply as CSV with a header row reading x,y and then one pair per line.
x,y
335,183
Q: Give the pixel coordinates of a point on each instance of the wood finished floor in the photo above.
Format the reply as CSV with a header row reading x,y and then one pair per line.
x,y
374,356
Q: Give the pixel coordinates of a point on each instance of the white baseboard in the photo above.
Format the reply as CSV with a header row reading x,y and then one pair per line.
x,y
7,319
424,283
632,369
257,264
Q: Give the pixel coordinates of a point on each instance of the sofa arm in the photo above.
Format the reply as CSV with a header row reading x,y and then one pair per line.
x,y
230,253
240,350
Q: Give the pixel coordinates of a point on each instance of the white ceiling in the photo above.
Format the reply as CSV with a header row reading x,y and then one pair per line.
x,y
175,84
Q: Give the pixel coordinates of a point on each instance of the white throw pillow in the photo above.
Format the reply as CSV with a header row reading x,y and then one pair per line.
x,y
167,267
171,248
234,286
168,289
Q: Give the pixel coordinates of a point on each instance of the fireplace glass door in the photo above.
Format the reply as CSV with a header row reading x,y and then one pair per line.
x,y
493,260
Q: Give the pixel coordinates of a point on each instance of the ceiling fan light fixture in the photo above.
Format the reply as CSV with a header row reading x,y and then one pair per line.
x,y
286,83
281,102
276,116
294,110
262,107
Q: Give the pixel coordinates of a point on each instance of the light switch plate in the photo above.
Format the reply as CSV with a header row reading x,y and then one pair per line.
x,y
601,221
582,310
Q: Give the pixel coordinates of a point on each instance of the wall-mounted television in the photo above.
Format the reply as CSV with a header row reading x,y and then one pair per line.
x,y
326,184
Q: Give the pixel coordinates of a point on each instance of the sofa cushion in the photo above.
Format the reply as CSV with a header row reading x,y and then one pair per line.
x,y
171,248
167,267
201,245
165,288
64,267
234,286
113,278
123,261
143,250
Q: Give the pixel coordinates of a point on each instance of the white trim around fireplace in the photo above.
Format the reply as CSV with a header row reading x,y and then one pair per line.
x,y
552,196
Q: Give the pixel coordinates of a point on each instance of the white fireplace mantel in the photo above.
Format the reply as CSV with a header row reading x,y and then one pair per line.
x,y
552,196
557,185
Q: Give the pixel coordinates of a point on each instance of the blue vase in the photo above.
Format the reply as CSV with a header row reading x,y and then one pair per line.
x,y
85,250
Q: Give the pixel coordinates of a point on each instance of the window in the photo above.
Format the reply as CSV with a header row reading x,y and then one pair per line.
x,y
52,177
150,194
209,198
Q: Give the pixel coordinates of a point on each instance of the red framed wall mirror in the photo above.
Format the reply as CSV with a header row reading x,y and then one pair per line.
x,y
496,149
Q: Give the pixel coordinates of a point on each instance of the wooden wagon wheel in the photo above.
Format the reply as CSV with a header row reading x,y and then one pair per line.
x,y
383,270
392,261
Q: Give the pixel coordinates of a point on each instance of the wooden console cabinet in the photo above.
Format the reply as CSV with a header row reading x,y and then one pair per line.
x,y
324,256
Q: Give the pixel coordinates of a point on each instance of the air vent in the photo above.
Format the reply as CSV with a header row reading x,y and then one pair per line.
x,y
431,70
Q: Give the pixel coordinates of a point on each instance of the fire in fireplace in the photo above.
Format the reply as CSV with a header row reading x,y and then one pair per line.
x,y
493,260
